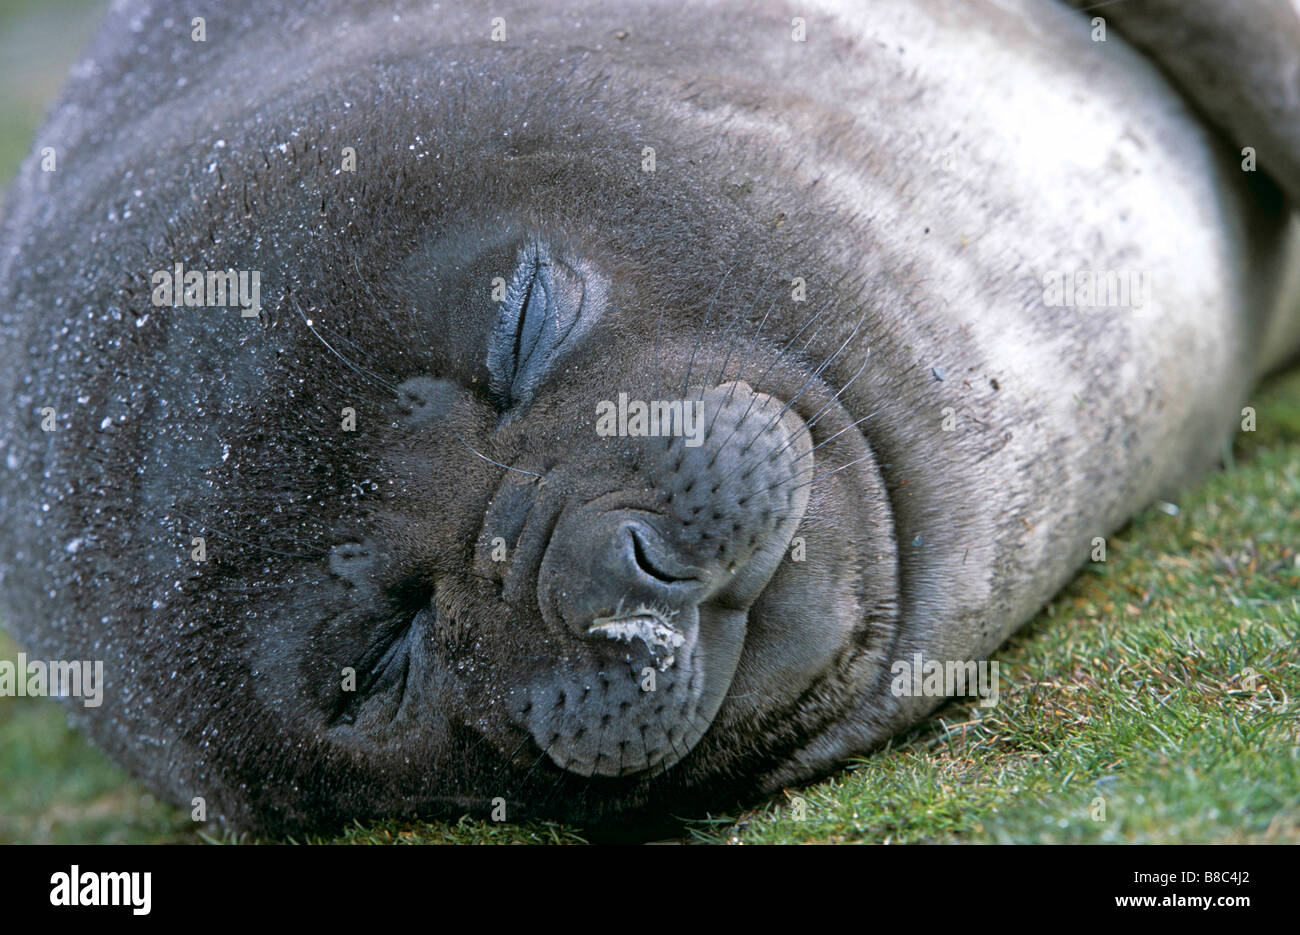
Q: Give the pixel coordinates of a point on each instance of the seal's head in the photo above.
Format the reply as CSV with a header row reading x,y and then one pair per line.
x,y
629,554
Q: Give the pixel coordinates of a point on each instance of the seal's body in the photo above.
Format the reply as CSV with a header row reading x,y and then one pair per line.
x,y
923,300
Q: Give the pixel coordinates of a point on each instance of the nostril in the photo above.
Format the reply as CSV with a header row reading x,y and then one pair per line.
x,y
643,561
641,556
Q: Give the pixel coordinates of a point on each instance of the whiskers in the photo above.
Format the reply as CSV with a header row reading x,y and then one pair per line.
x,y
742,437
396,391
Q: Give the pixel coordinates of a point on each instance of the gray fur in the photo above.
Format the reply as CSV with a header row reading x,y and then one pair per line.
x,y
922,167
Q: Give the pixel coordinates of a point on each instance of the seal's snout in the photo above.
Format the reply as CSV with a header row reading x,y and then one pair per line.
x,y
652,583
733,502
614,567
718,522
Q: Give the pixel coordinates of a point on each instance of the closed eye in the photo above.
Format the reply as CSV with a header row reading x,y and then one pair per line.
x,y
531,317
548,304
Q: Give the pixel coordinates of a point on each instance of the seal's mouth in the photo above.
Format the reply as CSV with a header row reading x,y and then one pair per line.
x,y
647,624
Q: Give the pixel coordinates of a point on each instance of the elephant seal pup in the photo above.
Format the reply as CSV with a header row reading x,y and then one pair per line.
x,y
583,411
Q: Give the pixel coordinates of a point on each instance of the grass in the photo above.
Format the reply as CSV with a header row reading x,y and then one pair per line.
x,y
1152,701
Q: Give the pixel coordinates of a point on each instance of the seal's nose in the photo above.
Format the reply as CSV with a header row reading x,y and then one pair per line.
x,y
624,571
715,527
646,552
